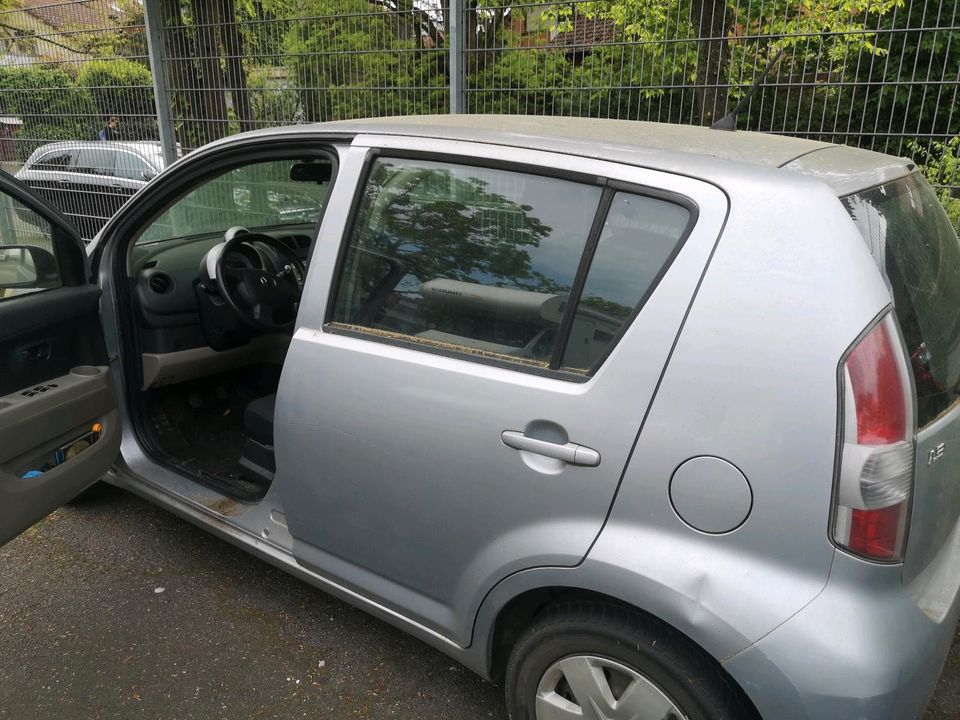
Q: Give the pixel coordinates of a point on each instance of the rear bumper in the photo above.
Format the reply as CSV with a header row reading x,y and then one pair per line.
x,y
867,648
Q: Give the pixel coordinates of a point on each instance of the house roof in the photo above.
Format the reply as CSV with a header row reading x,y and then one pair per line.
x,y
587,33
83,15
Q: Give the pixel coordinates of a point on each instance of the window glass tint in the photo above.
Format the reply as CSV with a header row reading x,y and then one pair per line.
x,y
27,261
637,241
59,160
918,253
95,161
258,195
132,167
462,258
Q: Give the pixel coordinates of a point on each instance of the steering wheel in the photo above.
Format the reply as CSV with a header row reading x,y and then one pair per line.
x,y
263,299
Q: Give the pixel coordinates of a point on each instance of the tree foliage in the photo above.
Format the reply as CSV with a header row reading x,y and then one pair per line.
x,y
49,103
123,88
351,58
237,64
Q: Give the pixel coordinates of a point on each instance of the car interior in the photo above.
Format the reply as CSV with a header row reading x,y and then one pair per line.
x,y
214,283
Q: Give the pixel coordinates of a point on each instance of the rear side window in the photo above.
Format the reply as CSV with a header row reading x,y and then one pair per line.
x,y
918,253
96,161
132,167
501,264
470,259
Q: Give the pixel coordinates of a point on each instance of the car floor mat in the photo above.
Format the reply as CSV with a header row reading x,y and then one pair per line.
x,y
199,426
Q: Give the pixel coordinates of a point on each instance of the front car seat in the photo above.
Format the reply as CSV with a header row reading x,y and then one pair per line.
x,y
257,461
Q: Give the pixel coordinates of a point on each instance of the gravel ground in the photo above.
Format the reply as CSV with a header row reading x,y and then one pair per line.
x,y
112,608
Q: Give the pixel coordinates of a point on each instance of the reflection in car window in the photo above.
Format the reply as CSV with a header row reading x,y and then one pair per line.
x,y
258,195
638,239
469,259
21,271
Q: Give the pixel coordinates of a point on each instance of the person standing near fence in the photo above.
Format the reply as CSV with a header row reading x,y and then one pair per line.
x,y
110,131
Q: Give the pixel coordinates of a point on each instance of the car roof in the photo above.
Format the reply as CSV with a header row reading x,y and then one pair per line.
x,y
144,147
679,148
750,147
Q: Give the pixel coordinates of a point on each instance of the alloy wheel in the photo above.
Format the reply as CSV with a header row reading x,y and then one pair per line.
x,y
586,687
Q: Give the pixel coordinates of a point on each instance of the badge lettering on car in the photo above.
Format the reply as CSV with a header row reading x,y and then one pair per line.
x,y
935,454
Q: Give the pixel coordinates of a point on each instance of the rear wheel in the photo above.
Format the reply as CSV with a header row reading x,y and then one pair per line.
x,y
595,661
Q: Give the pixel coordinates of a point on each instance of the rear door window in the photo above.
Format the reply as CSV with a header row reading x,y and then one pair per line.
x,y
502,264
917,250
467,259
96,161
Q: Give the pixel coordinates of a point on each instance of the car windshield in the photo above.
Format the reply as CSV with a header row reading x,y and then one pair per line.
x,y
258,195
918,252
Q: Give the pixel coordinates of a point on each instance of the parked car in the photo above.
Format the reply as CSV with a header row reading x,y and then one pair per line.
x,y
89,181
646,421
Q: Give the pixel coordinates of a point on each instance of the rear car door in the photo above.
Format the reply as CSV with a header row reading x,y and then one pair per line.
x,y
130,174
59,422
97,193
465,405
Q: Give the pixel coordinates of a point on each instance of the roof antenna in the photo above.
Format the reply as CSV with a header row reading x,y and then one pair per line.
x,y
729,121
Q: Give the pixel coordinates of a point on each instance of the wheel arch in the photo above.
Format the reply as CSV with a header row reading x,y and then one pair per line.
x,y
511,606
518,613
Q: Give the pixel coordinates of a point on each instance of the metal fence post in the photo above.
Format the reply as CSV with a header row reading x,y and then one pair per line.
x,y
458,58
161,86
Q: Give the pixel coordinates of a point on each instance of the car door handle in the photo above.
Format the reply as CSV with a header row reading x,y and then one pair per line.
x,y
570,453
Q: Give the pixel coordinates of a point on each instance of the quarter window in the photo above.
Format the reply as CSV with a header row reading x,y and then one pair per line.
x,y
468,259
637,242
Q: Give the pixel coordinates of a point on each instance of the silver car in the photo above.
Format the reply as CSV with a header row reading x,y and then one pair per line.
x,y
88,181
646,421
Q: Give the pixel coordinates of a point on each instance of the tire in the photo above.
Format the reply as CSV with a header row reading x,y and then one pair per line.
x,y
650,669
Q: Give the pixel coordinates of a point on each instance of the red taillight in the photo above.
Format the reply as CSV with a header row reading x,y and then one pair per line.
x,y
876,467
877,389
875,533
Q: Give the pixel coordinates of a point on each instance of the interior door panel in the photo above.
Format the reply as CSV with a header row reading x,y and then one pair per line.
x,y
59,422
63,325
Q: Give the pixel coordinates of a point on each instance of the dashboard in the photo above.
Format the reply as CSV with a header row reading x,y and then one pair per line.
x,y
163,277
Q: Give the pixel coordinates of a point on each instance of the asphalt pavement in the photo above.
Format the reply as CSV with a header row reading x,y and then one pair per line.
x,y
113,608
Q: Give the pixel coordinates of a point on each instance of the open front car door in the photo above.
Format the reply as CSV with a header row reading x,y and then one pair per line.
x,y
59,422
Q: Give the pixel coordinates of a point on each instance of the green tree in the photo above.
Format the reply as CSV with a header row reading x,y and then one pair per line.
x,y
123,88
878,103
713,44
50,104
351,58
941,165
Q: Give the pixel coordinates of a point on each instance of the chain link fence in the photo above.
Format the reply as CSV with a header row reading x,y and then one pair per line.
x,y
879,74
